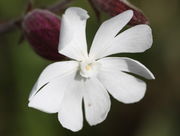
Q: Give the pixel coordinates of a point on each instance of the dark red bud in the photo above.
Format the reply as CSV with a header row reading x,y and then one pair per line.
x,y
42,29
114,7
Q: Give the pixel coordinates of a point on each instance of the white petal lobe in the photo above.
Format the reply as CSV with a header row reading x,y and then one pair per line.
x,y
72,41
127,65
122,86
53,71
97,101
133,40
107,31
70,114
49,98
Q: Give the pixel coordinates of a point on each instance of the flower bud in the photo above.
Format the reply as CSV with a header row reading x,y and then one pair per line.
x,y
42,29
114,7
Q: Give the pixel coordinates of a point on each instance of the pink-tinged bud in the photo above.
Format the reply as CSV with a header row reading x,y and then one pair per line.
x,y
114,7
42,29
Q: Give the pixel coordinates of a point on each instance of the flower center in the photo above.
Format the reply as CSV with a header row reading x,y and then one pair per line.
x,y
88,68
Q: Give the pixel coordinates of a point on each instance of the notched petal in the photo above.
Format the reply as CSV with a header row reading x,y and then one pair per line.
x,y
126,65
73,42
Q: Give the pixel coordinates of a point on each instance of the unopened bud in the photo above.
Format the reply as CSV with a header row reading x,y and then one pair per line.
x,y
114,7
42,29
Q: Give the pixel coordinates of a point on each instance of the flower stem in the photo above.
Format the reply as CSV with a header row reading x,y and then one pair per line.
x,y
59,6
95,10
9,26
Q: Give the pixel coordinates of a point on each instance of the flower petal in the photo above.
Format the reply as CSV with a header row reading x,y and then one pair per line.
x,y
135,39
73,34
53,71
124,87
70,114
49,98
97,101
127,65
107,31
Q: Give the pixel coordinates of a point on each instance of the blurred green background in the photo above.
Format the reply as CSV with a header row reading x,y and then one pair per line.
x,y
158,114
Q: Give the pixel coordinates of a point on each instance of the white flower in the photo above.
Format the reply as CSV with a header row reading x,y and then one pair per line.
x,y
62,86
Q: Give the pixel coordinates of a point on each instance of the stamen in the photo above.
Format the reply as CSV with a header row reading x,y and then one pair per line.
x,y
88,67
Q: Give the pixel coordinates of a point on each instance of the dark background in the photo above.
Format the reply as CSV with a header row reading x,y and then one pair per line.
x,y
158,114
